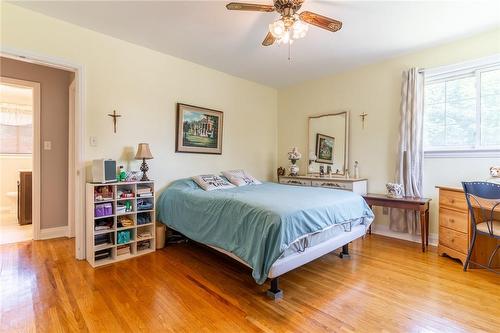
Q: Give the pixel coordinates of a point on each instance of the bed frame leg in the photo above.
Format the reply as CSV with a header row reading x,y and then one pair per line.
x,y
274,292
345,251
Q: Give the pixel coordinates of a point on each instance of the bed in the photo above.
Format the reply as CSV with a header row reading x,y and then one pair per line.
x,y
271,228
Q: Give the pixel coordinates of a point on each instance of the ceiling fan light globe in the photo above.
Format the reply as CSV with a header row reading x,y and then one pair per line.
x,y
286,38
299,29
277,29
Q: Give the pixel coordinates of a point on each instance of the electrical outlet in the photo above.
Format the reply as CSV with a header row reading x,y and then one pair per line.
x,y
47,145
93,141
385,210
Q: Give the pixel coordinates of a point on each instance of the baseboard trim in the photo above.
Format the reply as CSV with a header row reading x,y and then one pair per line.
x,y
54,232
385,231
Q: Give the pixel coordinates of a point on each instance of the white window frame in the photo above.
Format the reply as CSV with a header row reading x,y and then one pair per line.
x,y
469,68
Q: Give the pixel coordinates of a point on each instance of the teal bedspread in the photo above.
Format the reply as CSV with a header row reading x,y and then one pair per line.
x,y
257,223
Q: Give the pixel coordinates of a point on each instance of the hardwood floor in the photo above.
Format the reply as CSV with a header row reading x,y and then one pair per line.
x,y
385,286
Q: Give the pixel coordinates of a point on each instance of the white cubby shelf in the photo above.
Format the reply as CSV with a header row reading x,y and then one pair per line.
x,y
141,212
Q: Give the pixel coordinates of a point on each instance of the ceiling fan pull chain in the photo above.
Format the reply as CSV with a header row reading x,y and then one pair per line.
x,y
289,52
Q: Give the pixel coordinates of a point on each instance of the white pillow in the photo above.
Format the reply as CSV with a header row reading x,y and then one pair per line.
x,y
240,177
211,182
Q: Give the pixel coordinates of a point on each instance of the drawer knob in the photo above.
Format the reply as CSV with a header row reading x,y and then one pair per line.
x,y
452,220
452,200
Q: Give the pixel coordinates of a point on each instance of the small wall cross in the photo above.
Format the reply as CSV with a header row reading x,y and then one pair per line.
x,y
363,116
114,115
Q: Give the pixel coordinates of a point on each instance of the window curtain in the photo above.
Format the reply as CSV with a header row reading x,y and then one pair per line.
x,y
15,114
409,169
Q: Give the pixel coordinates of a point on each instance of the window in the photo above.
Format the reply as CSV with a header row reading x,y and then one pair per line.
x,y
462,108
16,129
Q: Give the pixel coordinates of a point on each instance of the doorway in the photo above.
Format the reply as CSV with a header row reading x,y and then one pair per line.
x,y
75,167
19,177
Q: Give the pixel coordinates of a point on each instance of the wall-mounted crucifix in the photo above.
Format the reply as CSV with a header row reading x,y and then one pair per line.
x,y
363,116
114,115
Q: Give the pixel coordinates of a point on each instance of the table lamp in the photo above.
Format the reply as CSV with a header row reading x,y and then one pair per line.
x,y
143,153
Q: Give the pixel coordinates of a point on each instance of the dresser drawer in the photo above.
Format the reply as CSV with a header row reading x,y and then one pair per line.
x,y
333,183
295,181
452,199
453,239
453,220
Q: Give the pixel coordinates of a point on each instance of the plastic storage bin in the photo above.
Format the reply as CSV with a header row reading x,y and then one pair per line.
x,y
124,236
104,209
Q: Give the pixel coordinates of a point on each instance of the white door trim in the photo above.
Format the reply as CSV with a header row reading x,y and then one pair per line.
x,y
36,153
76,170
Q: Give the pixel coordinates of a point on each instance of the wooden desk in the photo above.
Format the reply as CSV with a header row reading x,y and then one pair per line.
x,y
418,205
455,229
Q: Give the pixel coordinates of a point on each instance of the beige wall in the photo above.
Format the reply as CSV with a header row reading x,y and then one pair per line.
x,y
375,89
54,100
144,87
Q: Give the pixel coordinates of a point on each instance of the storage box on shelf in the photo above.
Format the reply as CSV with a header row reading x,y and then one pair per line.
x,y
120,221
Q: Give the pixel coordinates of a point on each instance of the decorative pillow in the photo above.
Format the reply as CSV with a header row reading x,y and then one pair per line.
x,y
211,182
240,177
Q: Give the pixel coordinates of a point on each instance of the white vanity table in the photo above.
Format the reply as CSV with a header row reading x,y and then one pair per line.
x,y
328,144
356,185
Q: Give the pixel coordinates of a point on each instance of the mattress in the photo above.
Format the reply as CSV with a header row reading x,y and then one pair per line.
x,y
258,223
311,240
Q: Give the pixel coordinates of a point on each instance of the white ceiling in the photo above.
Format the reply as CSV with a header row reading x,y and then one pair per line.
x,y
206,33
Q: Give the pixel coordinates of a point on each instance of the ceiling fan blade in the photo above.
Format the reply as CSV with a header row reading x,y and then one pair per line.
x,y
321,21
250,7
269,40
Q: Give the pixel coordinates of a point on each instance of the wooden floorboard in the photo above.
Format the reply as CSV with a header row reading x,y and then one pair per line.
x,y
386,285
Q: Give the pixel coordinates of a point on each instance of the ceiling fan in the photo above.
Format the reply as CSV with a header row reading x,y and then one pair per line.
x,y
291,25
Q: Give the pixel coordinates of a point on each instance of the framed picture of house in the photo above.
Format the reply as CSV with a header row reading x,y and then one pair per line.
x,y
199,130
324,148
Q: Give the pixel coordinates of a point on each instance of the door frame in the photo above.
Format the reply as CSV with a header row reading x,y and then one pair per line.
x,y
76,168
36,152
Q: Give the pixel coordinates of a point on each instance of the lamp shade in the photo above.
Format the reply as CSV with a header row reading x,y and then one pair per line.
x,y
143,152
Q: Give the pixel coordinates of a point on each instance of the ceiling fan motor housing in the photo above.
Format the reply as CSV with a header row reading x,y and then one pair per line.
x,y
287,8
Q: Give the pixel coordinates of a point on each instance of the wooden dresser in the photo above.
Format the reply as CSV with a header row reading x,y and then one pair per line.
x,y
356,185
455,229
24,200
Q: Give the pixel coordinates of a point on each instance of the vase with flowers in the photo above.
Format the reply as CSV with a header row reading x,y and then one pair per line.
x,y
294,155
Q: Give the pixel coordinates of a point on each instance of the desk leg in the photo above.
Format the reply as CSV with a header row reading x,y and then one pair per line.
x,y
427,227
370,227
423,228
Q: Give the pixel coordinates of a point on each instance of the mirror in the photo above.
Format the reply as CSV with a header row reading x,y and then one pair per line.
x,y
328,143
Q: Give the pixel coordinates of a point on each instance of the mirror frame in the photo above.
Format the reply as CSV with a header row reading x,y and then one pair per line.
x,y
346,140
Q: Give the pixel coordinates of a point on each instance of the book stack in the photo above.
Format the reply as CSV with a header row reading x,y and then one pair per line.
x,y
102,254
144,191
144,234
102,239
103,224
143,245
123,249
